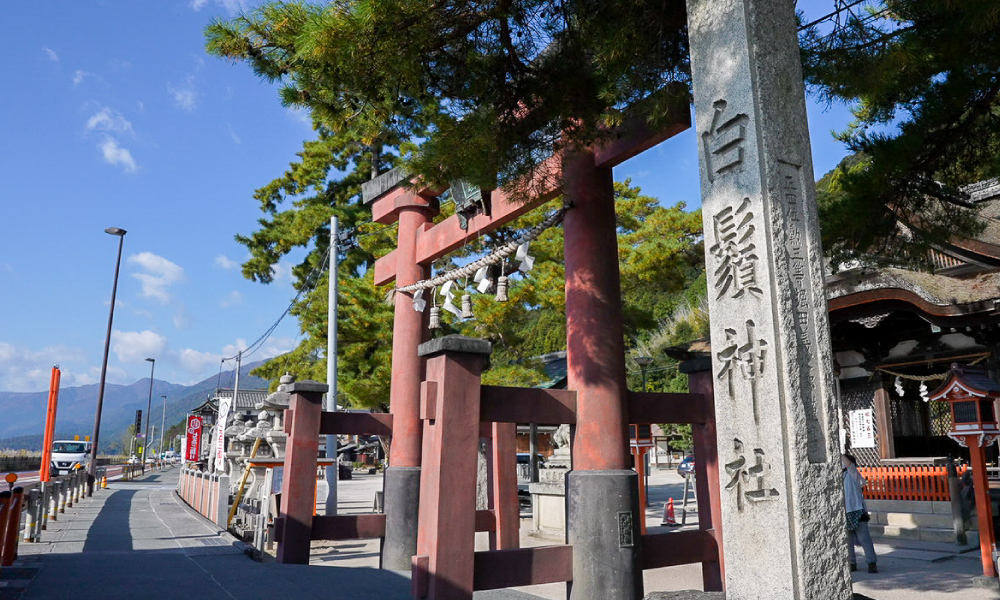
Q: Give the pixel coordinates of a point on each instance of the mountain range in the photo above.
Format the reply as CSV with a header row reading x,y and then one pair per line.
x,y
22,414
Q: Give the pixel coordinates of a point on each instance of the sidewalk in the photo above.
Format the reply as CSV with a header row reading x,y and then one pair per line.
x,y
908,571
138,540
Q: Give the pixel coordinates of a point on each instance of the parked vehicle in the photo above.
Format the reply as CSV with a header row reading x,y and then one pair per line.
x,y
69,455
687,466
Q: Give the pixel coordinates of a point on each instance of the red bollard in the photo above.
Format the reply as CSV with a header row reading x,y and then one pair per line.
x,y
10,525
5,505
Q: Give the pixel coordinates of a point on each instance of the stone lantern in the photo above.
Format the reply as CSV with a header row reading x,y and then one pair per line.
x,y
971,394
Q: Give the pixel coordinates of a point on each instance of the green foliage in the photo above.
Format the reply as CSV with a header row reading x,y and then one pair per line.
x,y
378,76
660,256
928,69
495,82
689,322
170,435
127,441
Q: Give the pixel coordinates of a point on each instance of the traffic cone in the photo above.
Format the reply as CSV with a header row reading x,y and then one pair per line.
x,y
104,482
668,514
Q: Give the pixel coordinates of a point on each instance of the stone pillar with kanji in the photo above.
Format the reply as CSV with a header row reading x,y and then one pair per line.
x,y
772,362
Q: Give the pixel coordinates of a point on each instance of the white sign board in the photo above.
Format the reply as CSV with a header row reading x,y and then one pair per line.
x,y
862,428
220,437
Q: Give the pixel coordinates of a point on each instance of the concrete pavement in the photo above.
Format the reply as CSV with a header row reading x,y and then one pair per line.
x,y
907,570
138,540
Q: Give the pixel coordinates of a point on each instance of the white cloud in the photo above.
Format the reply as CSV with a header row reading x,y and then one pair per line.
x,y
231,6
136,346
25,370
273,346
157,275
232,299
281,272
78,76
232,349
196,363
300,115
232,134
108,119
78,379
185,96
51,54
225,262
116,155
182,318
7,267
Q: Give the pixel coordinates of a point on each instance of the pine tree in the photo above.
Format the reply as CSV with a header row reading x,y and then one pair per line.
x,y
496,82
923,79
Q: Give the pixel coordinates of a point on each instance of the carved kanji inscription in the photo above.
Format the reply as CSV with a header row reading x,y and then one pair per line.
x,y
723,142
734,249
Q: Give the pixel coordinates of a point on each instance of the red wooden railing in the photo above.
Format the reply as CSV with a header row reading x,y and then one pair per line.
x,y
918,482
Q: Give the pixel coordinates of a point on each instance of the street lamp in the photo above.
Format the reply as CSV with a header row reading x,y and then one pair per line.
x,y
149,403
643,362
92,471
163,420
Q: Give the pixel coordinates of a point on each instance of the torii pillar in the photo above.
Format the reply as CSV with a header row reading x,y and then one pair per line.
x,y
402,477
602,491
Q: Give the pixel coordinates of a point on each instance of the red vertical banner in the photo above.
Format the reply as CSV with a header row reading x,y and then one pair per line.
x,y
45,470
193,440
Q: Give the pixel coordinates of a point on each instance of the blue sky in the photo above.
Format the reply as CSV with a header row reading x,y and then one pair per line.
x,y
114,116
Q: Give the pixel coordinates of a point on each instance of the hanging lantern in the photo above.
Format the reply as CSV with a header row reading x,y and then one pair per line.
x,y
502,288
435,318
467,307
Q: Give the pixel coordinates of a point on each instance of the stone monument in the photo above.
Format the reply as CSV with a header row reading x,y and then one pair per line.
x,y
770,337
548,494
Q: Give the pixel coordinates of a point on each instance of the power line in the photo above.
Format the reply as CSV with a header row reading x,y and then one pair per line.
x,y
836,13
307,286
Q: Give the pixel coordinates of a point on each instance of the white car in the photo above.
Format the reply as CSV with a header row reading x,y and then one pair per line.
x,y
69,455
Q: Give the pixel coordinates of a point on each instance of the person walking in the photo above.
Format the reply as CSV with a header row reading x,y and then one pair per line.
x,y
857,514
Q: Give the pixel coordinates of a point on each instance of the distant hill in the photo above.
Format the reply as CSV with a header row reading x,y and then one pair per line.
x,y
78,404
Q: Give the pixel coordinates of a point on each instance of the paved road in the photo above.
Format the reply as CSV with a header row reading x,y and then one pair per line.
x,y
28,477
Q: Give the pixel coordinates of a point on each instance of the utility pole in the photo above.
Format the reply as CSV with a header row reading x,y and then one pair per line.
x,y
92,471
333,470
163,420
149,413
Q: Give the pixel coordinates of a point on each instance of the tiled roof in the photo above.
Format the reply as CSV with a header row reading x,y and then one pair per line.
x,y
245,400
941,290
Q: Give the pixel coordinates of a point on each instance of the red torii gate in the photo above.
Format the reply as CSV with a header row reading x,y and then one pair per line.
x,y
429,521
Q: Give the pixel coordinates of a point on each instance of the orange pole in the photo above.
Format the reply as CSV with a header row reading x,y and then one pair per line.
x,y
45,472
980,485
640,469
